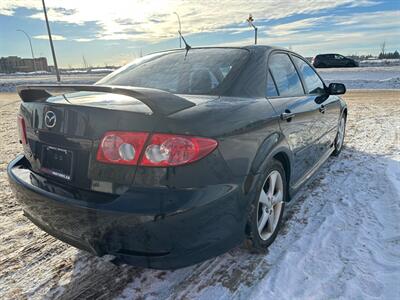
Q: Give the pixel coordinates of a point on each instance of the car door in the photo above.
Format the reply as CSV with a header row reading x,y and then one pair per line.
x,y
340,60
328,106
298,111
332,62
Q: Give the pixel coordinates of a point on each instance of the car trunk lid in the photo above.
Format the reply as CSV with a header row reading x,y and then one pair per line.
x,y
64,131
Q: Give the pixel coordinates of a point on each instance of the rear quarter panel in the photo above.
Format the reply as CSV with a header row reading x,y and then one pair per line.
x,y
245,128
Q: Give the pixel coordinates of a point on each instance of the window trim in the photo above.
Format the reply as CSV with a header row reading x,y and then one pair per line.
x,y
300,77
269,74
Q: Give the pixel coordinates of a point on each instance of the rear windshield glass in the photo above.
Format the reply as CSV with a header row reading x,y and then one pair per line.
x,y
201,71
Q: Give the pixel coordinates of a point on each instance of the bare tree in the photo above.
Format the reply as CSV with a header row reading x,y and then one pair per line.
x,y
383,47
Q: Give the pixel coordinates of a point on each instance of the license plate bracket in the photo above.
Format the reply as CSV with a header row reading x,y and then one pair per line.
x,y
57,162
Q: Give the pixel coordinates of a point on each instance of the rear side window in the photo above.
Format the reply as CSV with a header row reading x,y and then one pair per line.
x,y
313,83
286,78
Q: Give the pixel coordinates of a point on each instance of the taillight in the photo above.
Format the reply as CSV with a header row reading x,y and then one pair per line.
x,y
119,147
22,129
166,150
162,150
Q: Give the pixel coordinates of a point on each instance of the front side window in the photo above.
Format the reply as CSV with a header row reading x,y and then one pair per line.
x,y
313,83
200,71
286,78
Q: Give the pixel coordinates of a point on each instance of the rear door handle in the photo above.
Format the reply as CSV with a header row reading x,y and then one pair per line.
x,y
287,115
322,109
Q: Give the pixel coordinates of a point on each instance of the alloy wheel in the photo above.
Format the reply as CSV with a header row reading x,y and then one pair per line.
x,y
270,205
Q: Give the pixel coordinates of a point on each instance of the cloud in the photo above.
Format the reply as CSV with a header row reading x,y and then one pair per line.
x,y
365,3
354,33
55,37
359,33
83,40
152,20
294,27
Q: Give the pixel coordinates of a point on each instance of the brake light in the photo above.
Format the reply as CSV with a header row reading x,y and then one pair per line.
x,y
166,150
119,147
22,129
162,150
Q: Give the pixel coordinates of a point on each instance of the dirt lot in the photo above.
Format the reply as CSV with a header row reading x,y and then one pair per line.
x,y
340,238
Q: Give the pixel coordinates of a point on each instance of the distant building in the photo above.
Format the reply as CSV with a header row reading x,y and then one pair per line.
x,y
12,64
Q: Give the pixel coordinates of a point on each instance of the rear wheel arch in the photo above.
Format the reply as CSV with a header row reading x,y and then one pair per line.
x,y
279,151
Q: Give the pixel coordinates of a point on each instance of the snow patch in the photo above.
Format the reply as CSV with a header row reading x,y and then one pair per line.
x,y
393,172
379,62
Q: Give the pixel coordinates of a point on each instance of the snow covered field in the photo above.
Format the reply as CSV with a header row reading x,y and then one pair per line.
x,y
364,78
340,239
379,62
382,77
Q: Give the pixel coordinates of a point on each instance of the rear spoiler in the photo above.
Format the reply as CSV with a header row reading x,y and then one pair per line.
x,y
160,102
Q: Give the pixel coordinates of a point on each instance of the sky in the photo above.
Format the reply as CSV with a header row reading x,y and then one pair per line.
x,y
114,32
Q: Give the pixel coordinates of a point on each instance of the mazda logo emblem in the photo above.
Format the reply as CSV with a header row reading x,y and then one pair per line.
x,y
50,119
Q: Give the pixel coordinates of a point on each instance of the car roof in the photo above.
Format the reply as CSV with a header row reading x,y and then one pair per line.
x,y
257,48
324,54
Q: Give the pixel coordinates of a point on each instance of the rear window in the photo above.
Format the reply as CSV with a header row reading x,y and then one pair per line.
x,y
201,71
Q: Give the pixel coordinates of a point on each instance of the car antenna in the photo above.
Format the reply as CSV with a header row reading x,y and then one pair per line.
x,y
187,46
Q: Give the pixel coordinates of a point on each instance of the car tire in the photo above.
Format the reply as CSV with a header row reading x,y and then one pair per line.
x,y
270,201
339,140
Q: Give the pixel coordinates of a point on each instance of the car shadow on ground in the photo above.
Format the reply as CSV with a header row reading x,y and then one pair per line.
x,y
234,273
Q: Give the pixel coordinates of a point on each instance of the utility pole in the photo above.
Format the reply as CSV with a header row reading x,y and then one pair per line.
x,y
30,44
250,20
51,42
180,29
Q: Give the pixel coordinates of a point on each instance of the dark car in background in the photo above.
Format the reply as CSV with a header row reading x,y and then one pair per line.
x,y
333,61
178,156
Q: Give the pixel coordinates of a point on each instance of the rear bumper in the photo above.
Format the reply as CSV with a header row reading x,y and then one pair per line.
x,y
158,228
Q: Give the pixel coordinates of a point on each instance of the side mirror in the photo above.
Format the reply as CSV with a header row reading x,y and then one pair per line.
x,y
336,89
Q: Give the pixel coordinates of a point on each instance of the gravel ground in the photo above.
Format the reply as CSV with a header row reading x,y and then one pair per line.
x,y
340,238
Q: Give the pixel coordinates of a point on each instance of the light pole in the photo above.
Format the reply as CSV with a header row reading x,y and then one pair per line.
x,y
179,21
30,44
51,42
250,20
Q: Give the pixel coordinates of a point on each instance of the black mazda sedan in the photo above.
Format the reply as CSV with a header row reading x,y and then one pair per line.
x,y
178,156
